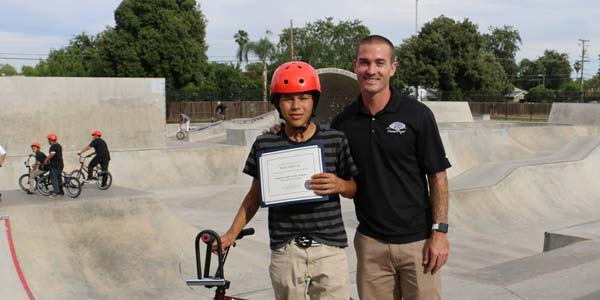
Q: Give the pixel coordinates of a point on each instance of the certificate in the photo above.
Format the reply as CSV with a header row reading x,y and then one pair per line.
x,y
285,175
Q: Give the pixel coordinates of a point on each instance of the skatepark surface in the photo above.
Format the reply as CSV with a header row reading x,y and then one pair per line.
x,y
514,189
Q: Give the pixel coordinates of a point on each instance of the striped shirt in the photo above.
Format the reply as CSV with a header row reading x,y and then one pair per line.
x,y
320,220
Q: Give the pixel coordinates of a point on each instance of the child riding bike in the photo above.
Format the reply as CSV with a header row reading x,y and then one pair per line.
x,y
102,157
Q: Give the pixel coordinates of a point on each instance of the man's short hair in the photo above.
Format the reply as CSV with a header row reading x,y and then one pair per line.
x,y
376,39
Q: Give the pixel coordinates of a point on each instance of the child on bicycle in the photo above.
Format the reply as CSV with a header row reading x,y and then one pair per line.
x,y
303,234
184,119
102,157
38,167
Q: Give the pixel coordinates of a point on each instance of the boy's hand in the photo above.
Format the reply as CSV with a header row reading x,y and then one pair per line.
x,y
327,183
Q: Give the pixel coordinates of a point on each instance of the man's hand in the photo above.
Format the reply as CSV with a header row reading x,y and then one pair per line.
x,y
273,130
327,183
435,252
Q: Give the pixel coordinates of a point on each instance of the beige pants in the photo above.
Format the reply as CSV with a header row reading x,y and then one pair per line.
x,y
32,176
322,271
393,271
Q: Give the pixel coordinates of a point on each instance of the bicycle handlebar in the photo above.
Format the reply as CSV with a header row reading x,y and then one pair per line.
x,y
245,232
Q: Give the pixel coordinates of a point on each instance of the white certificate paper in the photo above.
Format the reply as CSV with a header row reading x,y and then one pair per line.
x,y
285,175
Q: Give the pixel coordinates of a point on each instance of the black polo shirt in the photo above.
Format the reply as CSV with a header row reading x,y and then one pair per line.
x,y
394,151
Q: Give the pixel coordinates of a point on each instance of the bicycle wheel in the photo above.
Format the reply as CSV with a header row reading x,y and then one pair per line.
x,y
72,186
108,181
180,135
24,182
43,185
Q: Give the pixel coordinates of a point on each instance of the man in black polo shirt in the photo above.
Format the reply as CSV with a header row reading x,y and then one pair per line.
x,y
102,157
54,160
306,239
402,198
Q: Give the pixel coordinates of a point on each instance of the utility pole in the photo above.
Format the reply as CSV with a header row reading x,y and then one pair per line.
x,y
416,35
583,61
292,37
416,17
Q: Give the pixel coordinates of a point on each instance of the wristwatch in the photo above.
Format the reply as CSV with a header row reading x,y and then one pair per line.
x,y
440,227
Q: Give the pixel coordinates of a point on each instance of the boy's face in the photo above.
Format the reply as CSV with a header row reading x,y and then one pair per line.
x,y
34,149
296,108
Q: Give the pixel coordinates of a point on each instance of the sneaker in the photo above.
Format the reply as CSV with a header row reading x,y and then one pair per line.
x,y
52,195
30,193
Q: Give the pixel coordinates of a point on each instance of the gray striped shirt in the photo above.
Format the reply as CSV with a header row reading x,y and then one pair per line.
x,y
320,220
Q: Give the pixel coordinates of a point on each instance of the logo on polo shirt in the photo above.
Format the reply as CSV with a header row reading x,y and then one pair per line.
x,y
396,127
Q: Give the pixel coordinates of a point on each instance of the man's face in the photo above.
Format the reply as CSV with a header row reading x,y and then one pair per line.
x,y
374,66
34,149
296,108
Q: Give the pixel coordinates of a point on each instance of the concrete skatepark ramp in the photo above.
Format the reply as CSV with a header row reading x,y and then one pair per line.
x,y
512,184
575,113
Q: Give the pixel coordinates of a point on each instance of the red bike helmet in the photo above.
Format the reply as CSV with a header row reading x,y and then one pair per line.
x,y
52,137
295,77
97,133
36,144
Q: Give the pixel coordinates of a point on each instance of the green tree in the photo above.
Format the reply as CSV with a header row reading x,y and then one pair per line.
x,y
265,50
552,70
450,56
78,59
156,38
242,39
29,71
541,94
323,43
504,43
7,70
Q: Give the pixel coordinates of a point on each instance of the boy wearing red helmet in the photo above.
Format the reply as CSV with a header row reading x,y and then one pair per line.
x,y
102,157
38,167
306,239
55,163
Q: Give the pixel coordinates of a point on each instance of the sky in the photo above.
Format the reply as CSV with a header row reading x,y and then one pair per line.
x,y
30,29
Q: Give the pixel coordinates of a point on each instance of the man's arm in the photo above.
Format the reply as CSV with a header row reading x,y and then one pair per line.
x,y
49,157
86,148
2,158
246,212
329,183
436,250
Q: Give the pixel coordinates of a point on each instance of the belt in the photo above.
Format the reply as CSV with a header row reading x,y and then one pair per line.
x,y
305,241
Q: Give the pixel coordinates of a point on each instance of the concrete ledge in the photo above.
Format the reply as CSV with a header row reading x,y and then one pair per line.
x,y
575,113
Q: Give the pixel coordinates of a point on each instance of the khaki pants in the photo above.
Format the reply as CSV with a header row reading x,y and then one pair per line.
x,y
321,270
32,176
393,271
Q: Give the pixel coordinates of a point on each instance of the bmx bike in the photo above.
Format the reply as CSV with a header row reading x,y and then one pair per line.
x,y
24,179
209,237
80,174
70,185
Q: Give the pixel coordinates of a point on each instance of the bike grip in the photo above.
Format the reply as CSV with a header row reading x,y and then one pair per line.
x,y
245,232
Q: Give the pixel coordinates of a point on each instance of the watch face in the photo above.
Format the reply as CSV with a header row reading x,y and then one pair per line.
x,y
443,228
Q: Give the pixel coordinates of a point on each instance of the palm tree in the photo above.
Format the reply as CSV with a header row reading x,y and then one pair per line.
x,y
265,50
242,39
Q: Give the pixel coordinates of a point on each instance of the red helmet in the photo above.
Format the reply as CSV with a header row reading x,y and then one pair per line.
x,y
52,137
36,144
96,133
295,77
